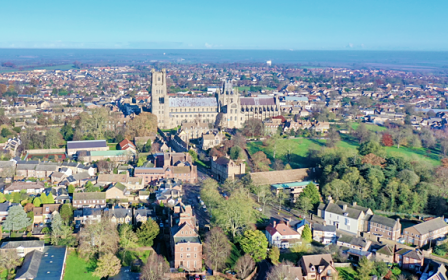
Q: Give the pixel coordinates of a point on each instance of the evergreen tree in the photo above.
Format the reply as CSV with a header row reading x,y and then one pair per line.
x,y
16,219
50,199
255,244
37,202
43,198
274,255
306,234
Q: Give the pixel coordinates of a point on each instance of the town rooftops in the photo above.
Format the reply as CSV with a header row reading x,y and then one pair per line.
x,y
328,228
18,186
89,195
352,211
383,221
24,243
148,170
85,144
430,225
193,102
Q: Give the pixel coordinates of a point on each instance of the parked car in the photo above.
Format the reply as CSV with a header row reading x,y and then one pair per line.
x,y
196,277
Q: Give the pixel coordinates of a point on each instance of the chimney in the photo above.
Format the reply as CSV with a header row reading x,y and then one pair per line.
x,y
275,224
330,199
344,207
355,203
398,220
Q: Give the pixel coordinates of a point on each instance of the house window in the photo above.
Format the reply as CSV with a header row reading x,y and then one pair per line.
x,y
181,255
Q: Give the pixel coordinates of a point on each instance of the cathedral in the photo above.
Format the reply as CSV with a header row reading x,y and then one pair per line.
x,y
227,106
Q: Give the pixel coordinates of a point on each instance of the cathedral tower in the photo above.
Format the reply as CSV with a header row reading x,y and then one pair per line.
x,y
159,98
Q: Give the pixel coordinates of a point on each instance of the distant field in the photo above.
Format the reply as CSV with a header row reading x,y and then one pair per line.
x,y
241,89
371,127
301,146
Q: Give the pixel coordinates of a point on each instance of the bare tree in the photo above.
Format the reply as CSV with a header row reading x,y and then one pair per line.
x,y
9,259
283,271
155,268
244,266
217,249
98,238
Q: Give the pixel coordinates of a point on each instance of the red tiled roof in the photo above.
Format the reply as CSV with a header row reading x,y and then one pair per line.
x,y
126,144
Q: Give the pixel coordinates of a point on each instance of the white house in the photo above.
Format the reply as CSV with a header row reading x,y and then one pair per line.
x,y
281,235
350,218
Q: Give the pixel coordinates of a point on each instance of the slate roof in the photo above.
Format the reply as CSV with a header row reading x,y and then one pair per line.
x,y
181,169
30,265
257,101
383,221
85,144
430,225
328,228
352,211
89,195
24,186
24,243
52,263
193,102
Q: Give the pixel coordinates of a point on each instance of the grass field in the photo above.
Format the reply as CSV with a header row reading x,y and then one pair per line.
x,y
77,268
112,146
300,147
347,273
371,127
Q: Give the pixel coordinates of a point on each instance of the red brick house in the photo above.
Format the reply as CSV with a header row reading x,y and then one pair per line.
x,y
186,245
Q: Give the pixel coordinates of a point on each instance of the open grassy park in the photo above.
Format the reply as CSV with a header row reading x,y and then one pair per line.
x,y
299,148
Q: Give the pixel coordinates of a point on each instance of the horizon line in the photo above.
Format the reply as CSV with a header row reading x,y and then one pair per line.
x,y
213,49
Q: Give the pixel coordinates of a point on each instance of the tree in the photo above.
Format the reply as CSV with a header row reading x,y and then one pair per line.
x,y
235,214
43,198
147,232
282,272
9,260
302,246
37,202
67,132
381,269
141,161
365,269
255,244
244,266
67,213
16,219
144,124
371,147
71,189
97,239
362,133
260,161
2,198
333,137
236,153
50,198
56,228
5,132
52,138
128,239
217,248
274,255
155,268
304,203
337,188
306,234
107,265
231,185
312,192
253,128
387,140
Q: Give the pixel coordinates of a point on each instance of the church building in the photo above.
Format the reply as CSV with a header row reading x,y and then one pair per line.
x,y
227,106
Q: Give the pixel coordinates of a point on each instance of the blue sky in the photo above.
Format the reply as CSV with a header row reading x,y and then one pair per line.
x,y
244,24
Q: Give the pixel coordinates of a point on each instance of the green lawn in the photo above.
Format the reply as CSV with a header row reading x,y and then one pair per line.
x,y
134,255
112,146
77,268
371,127
347,273
300,147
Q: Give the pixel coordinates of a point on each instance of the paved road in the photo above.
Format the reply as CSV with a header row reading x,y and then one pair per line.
x,y
263,269
191,192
